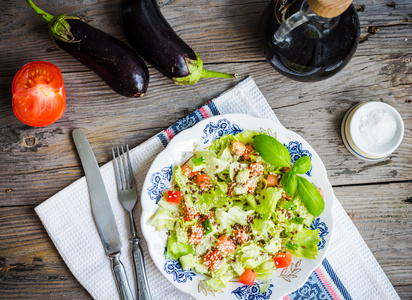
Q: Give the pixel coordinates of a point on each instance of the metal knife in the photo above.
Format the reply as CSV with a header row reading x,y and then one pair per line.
x,y
102,212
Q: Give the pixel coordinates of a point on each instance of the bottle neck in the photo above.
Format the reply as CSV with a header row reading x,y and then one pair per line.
x,y
304,15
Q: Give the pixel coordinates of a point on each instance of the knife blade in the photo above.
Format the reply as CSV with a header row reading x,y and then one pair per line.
x,y
102,212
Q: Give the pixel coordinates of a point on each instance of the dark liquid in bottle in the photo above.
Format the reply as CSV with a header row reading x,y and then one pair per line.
x,y
309,53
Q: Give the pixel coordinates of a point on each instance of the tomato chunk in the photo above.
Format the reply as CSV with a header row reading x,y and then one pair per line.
x,y
251,186
256,169
285,196
248,150
248,277
212,260
174,196
230,189
283,260
225,245
196,235
321,193
186,170
240,236
237,148
203,181
39,96
190,213
273,180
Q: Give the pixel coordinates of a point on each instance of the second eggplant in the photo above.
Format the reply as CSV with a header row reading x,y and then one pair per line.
x,y
154,39
115,62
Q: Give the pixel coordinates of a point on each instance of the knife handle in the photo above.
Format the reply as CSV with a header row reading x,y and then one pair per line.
x,y
121,278
142,284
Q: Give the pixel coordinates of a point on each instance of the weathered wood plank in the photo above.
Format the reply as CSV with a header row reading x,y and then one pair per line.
x,y
30,266
232,33
382,215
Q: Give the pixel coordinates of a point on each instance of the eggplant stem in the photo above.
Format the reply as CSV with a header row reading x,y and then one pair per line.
x,y
46,16
213,74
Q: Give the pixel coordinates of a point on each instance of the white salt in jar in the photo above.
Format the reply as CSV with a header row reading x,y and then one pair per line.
x,y
372,130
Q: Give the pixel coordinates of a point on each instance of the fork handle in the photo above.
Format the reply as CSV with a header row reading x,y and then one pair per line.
x,y
140,269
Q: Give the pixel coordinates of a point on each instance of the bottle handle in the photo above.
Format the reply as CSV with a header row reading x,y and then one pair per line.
x,y
288,25
304,15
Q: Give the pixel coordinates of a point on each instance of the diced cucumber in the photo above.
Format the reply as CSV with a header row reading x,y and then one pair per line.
x,y
240,190
187,261
242,176
308,219
196,164
208,226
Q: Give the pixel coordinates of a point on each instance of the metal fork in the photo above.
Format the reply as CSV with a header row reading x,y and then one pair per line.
x,y
127,194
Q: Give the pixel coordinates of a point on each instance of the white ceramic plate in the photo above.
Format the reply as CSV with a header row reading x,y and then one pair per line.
x,y
180,148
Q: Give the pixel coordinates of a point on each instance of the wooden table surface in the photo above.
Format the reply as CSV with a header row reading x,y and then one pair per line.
x,y
36,163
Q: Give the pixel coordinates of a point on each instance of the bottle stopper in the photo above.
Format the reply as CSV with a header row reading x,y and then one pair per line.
x,y
329,8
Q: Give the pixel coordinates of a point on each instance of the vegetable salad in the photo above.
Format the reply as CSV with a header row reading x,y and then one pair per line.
x,y
227,215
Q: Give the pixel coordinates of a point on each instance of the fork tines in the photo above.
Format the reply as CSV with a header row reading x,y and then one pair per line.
x,y
123,168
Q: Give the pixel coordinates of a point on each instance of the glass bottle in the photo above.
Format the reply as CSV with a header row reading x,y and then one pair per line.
x,y
310,40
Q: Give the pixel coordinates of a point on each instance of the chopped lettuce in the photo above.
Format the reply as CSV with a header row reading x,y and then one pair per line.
x,y
221,143
252,255
175,249
163,218
221,277
307,243
246,137
268,200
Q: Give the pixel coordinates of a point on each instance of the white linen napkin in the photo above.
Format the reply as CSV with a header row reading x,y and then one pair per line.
x,y
351,271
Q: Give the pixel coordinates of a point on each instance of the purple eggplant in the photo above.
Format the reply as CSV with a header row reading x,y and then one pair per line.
x,y
155,40
116,63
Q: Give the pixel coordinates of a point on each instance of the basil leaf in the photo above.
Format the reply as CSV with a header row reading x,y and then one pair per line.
x,y
289,183
302,165
272,151
310,196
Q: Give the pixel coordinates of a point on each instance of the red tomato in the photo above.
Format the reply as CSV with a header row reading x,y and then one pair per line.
x,y
197,234
212,260
187,171
190,213
251,186
273,180
240,236
225,245
39,97
256,169
248,277
237,148
283,260
321,193
203,181
173,196
249,149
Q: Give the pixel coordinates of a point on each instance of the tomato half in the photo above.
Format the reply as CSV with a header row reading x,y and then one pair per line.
x,y
283,260
39,97
248,277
